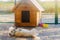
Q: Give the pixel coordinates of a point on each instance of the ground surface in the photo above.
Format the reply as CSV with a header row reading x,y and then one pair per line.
x,y
51,33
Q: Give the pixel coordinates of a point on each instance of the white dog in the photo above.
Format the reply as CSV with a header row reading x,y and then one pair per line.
x,y
24,32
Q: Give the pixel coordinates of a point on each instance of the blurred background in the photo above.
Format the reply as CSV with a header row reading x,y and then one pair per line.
x,y
50,15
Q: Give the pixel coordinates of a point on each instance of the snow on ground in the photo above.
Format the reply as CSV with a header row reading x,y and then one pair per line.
x,y
6,17
51,33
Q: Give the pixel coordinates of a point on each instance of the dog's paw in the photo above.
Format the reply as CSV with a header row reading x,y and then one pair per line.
x,y
36,38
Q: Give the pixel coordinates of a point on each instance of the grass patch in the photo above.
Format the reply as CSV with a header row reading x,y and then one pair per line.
x,y
50,6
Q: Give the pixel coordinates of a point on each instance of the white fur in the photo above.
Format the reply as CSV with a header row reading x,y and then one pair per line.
x,y
11,29
26,32
36,38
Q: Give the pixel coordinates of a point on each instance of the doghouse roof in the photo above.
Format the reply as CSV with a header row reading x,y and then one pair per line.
x,y
37,5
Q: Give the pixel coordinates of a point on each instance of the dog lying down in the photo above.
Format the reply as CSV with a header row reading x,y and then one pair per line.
x,y
23,32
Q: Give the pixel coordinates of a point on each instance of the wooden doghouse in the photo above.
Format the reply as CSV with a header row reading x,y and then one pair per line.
x,y
27,13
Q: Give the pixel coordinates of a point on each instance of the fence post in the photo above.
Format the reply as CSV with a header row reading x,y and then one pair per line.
x,y
15,2
56,12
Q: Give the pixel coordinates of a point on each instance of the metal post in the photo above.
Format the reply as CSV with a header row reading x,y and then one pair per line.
x,y
56,13
15,2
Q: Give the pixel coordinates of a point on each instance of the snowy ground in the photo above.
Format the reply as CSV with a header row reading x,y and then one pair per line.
x,y
6,17
51,33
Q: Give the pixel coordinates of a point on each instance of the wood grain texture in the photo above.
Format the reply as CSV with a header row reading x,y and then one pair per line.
x,y
33,15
